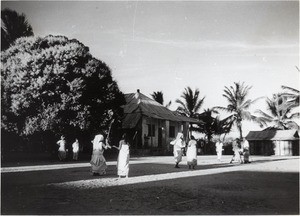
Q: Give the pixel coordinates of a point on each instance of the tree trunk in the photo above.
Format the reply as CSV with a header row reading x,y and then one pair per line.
x,y
239,126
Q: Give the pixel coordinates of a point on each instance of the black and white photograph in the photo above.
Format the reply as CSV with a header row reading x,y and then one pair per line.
x,y
150,107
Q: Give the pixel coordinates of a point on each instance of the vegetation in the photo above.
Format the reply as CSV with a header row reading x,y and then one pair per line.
x,y
13,26
159,97
55,84
238,105
293,96
212,125
279,115
191,103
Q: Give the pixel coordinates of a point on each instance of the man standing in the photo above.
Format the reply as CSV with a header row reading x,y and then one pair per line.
x,y
75,148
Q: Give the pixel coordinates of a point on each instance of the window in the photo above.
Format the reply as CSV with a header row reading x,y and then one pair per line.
x,y
151,130
172,131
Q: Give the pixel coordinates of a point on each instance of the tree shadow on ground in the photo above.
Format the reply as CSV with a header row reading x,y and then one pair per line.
x,y
232,193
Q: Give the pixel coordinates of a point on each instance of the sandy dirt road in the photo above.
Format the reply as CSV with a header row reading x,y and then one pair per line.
x,y
269,185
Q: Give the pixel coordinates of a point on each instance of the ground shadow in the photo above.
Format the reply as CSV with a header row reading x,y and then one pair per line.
x,y
239,192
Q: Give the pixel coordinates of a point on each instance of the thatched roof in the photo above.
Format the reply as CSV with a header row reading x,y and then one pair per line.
x,y
138,105
273,134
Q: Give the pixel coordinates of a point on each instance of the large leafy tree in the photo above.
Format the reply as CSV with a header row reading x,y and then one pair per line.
x,y
238,104
13,26
191,103
55,84
159,97
278,116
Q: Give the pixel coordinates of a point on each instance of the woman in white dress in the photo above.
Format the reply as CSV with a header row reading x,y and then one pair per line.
x,y
98,161
219,149
191,153
178,144
236,151
62,148
123,158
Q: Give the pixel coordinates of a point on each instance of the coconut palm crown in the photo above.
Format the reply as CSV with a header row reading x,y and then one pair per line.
x,y
191,102
238,105
293,95
13,26
280,117
159,97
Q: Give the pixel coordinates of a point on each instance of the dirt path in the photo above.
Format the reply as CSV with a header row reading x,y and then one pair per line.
x,y
266,186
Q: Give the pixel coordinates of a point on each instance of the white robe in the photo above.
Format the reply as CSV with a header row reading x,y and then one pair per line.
x,y
178,144
123,159
191,153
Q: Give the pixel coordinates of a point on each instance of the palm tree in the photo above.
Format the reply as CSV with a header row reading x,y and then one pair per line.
x,y
159,97
238,105
293,96
279,117
191,103
210,125
13,26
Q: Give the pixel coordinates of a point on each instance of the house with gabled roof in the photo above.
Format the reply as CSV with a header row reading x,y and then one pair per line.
x,y
272,141
150,125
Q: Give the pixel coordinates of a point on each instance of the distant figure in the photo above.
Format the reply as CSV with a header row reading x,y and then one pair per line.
x,y
191,153
98,161
178,144
62,148
246,150
123,158
75,148
236,151
219,149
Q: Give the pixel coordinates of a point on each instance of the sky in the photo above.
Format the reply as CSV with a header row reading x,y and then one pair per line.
x,y
170,45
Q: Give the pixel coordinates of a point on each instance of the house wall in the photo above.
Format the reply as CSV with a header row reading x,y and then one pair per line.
x,y
163,125
282,147
268,147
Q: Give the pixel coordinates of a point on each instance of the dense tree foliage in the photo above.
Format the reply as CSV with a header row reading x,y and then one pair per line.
x,y
13,26
55,84
210,125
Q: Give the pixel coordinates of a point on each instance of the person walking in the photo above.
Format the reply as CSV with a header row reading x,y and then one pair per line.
x,y
123,157
178,144
98,162
62,148
75,148
219,149
191,153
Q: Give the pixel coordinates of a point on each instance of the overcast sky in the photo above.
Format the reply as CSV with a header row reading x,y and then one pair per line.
x,y
167,46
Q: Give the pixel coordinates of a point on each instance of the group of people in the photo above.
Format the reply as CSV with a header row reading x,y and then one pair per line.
x,y
62,153
99,166
240,150
98,161
191,152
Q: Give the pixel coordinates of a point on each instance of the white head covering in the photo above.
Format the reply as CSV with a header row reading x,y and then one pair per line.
x,y
178,141
97,142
